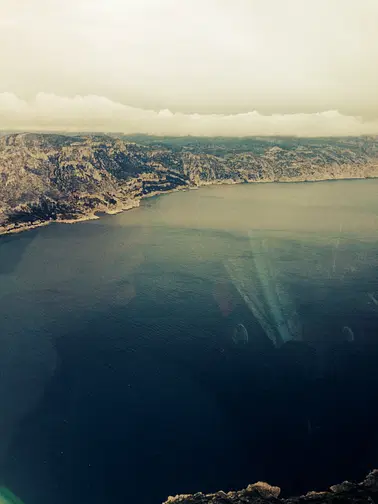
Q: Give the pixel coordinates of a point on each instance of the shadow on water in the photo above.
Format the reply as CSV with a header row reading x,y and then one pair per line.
x,y
10,261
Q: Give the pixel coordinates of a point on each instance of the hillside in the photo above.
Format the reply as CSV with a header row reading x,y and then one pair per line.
x,y
262,493
47,177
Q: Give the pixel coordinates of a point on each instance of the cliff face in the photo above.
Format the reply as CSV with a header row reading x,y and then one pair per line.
x,y
365,492
56,177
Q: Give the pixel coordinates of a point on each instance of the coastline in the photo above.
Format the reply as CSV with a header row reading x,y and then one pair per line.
x,y
6,230
347,492
28,227
92,216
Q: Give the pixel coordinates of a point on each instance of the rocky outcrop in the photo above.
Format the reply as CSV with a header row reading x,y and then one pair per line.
x,y
365,492
46,177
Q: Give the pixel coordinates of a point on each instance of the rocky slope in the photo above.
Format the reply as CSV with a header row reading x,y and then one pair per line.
x,y
365,492
47,177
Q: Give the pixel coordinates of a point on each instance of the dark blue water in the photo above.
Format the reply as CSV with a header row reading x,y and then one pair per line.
x,y
119,377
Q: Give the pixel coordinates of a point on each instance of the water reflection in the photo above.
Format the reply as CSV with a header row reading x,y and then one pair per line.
x,y
240,335
258,282
373,298
348,333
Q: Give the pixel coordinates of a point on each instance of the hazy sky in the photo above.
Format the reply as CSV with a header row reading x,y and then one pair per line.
x,y
190,66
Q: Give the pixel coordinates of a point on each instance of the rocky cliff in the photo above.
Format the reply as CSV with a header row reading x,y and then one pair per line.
x,y
365,492
47,177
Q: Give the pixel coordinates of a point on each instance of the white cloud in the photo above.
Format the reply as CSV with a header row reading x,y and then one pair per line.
x,y
196,56
95,113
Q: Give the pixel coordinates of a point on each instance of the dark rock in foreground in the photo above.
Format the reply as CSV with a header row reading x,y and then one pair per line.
x,y
365,492
47,177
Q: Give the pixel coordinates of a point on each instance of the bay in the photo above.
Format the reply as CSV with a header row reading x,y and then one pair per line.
x,y
120,376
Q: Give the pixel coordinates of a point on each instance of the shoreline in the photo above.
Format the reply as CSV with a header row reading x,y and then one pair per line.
x,y
136,203
84,218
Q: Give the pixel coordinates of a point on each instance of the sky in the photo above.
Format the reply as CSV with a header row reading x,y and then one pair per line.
x,y
198,67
